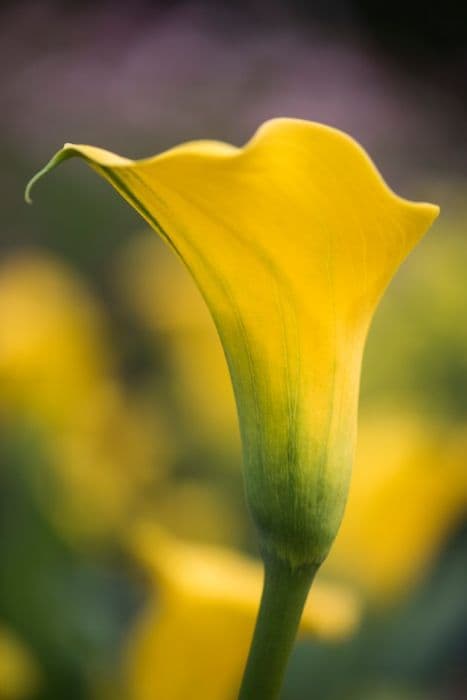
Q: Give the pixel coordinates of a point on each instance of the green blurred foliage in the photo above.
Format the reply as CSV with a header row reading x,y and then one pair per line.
x,y
70,608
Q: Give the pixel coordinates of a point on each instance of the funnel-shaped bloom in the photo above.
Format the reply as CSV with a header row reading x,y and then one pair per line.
x,y
292,240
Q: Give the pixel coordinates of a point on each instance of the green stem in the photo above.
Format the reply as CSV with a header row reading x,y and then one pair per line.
x,y
284,595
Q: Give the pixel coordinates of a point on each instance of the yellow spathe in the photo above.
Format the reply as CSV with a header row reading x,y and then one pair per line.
x,y
291,239
192,639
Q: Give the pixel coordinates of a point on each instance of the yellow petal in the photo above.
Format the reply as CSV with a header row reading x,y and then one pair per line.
x,y
192,639
291,239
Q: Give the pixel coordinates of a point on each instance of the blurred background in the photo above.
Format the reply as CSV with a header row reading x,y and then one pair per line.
x,y
121,497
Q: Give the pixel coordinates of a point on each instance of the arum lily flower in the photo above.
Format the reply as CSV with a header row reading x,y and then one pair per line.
x,y
292,240
191,638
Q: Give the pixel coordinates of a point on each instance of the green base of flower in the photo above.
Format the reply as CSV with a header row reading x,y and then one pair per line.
x,y
284,595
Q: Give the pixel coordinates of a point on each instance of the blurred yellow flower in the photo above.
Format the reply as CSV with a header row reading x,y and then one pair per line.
x,y
51,337
192,639
108,461
57,373
19,674
408,492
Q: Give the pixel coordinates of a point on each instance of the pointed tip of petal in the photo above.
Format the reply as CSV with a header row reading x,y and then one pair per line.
x,y
27,190
99,156
35,178
60,156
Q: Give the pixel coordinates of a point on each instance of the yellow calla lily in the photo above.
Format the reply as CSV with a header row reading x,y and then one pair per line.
x,y
191,640
291,239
